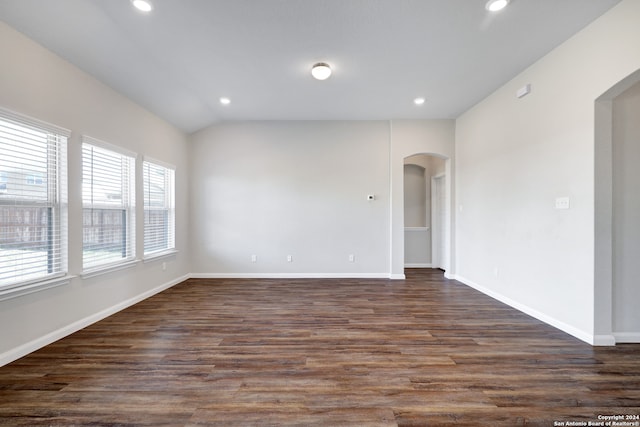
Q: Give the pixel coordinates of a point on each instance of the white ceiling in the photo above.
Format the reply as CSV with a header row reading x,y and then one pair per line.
x,y
178,60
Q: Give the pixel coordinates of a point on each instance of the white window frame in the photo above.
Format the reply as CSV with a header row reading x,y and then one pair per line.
x,y
128,208
57,230
169,207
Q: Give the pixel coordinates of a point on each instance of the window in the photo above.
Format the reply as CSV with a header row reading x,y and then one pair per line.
x,y
159,208
37,179
108,201
33,202
3,182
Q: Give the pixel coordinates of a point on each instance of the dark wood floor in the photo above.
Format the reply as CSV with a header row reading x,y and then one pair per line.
x,y
425,351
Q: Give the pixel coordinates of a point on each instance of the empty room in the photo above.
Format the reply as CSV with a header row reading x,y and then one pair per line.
x,y
319,212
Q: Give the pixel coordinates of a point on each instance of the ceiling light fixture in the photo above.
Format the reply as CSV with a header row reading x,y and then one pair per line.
x,y
321,71
496,5
142,5
419,101
225,101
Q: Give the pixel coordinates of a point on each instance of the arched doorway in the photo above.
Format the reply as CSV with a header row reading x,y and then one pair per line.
x,y
617,231
425,212
408,138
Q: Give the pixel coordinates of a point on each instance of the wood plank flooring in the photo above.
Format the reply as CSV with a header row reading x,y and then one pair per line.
x,y
421,352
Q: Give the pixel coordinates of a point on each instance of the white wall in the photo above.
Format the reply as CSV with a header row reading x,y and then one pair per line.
x,y
626,214
274,189
415,196
35,82
299,188
515,156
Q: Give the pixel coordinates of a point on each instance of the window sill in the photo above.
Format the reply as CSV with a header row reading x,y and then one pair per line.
x,y
159,255
29,288
105,269
416,229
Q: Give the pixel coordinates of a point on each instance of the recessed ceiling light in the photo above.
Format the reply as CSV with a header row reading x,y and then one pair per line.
x,y
321,71
419,101
142,5
496,5
225,101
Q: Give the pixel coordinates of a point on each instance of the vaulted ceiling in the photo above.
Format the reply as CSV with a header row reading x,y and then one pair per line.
x,y
179,59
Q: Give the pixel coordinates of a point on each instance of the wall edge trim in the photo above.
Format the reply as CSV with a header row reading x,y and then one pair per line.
x,y
603,340
627,337
571,330
290,276
40,342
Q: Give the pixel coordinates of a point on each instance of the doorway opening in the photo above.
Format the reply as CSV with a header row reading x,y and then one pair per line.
x,y
617,232
425,212
626,211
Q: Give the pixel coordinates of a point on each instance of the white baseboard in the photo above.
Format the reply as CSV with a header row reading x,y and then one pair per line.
x,y
627,337
290,275
604,340
418,265
23,350
571,330
38,343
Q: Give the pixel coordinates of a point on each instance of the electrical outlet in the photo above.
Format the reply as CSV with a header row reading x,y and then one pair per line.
x,y
289,258
164,266
352,258
254,258
563,203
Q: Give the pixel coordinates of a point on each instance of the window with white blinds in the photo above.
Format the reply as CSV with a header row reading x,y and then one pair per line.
x,y
108,202
33,201
159,208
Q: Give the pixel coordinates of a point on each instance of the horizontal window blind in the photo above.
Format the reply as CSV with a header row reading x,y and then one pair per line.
x,y
108,200
33,217
159,208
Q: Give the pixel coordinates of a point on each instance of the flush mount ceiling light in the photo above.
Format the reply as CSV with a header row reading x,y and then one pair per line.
x,y
321,71
496,5
142,5
225,101
419,101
